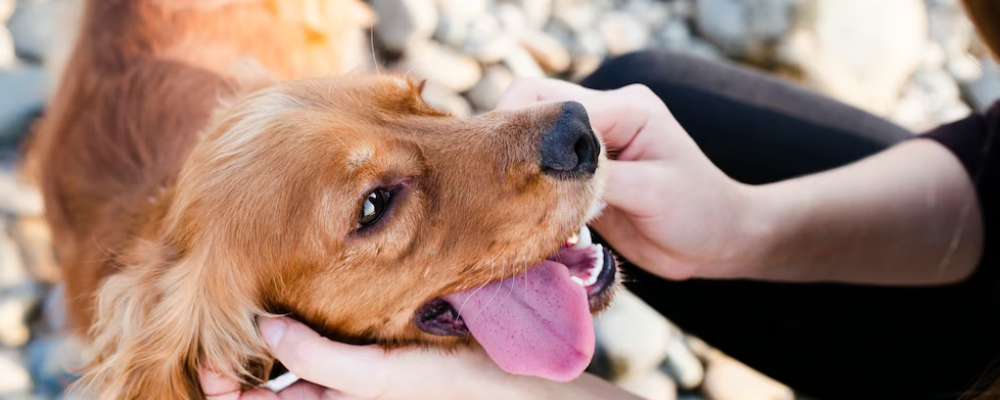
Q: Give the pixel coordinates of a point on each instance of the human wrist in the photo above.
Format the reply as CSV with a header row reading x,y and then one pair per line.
x,y
763,230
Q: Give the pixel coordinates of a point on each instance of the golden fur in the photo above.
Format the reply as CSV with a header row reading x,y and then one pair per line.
x,y
179,218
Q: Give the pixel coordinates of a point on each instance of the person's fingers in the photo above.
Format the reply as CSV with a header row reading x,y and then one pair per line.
x,y
358,370
628,187
216,386
526,92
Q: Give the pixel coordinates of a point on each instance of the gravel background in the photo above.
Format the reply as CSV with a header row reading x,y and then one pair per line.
x,y
916,62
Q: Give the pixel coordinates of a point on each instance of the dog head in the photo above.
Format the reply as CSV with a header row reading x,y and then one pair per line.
x,y
352,205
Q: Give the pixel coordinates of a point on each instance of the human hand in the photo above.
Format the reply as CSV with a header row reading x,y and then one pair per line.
x,y
332,370
671,210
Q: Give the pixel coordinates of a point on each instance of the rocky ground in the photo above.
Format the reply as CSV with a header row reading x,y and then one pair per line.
x,y
916,62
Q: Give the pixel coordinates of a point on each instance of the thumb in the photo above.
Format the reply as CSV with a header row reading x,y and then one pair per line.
x,y
636,187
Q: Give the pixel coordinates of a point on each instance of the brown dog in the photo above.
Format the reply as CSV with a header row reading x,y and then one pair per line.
x,y
346,202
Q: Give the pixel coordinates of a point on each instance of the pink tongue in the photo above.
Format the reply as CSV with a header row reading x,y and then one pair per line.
x,y
536,324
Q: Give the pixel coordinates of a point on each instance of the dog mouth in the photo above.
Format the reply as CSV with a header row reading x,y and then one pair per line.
x,y
538,323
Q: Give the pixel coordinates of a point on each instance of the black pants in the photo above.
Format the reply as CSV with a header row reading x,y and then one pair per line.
x,y
826,341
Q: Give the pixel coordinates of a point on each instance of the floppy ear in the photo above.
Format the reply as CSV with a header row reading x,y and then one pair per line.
x,y
159,321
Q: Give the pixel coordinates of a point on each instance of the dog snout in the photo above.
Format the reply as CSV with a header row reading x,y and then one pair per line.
x,y
570,149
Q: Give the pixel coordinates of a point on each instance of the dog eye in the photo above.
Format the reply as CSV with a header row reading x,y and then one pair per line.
x,y
374,207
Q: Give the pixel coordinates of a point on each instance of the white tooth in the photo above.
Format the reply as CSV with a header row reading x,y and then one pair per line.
x,y
577,281
573,240
584,238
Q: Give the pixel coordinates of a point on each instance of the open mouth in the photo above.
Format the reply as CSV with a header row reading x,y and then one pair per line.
x,y
538,323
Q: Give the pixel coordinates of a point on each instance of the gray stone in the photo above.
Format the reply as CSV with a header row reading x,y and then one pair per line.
x,y
728,379
931,98
511,17
455,18
443,99
654,385
17,197
859,51
537,12
487,41
24,89
547,50
441,65
983,92
14,379
673,35
8,58
650,13
633,335
578,15
522,65
487,92
622,33
964,67
744,28
44,28
404,22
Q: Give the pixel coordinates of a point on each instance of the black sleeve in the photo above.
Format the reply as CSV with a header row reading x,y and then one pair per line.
x,y
974,141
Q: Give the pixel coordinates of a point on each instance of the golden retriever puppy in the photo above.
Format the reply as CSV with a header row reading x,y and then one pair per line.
x,y
186,200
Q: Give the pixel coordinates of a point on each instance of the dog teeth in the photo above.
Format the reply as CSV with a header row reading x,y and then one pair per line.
x,y
595,271
573,240
583,238
578,281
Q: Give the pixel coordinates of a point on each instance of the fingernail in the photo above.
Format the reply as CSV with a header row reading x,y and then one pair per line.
x,y
273,330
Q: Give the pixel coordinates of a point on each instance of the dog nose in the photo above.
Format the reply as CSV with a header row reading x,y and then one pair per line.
x,y
570,149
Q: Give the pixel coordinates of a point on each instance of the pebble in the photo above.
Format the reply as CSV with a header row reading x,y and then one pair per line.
x,y
652,386
622,33
983,92
44,29
550,54
441,65
443,99
744,28
455,18
18,198
14,381
728,379
24,97
34,238
522,64
404,22
858,51
13,272
512,18
487,42
537,12
487,92
578,15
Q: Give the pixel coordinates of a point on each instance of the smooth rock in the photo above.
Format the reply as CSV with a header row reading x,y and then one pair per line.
x,y
443,99
13,272
650,13
14,379
44,28
579,15
859,51
983,92
8,58
537,12
14,318
487,41
673,35
622,33
728,379
455,18
633,335
522,65
7,8
511,17
550,54
17,197
33,237
964,67
487,92
651,386
441,65
23,100
931,98
401,23
744,28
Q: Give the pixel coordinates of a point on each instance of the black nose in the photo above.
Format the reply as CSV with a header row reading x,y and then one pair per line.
x,y
570,149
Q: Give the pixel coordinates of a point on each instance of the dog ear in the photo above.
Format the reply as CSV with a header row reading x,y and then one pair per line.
x,y
159,321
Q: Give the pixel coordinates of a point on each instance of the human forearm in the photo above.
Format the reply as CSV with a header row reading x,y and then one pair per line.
x,y
907,216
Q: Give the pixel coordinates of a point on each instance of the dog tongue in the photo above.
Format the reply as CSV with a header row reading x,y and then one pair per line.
x,y
536,324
